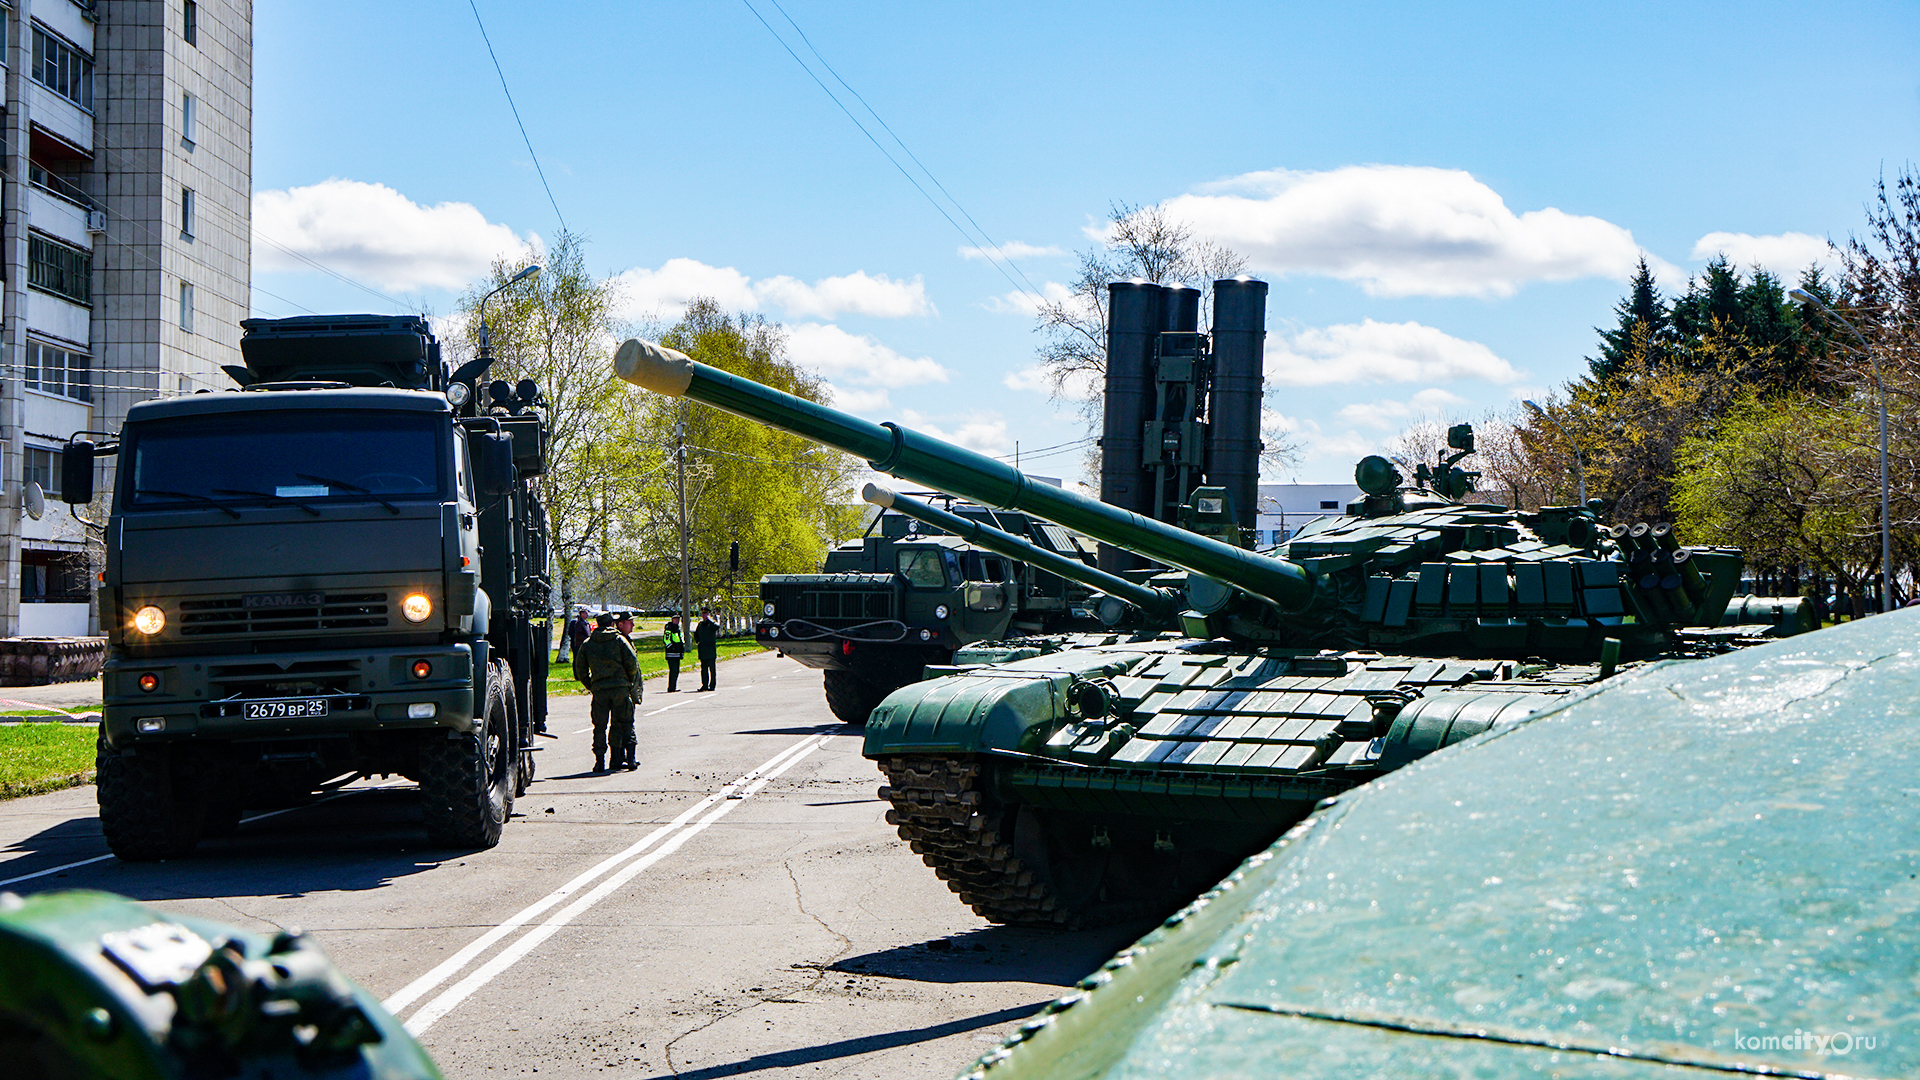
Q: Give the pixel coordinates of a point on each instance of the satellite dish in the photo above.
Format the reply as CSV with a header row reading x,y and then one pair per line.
x,y
35,500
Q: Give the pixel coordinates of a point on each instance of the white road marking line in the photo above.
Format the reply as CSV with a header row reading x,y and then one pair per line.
x,y
583,731
419,987
57,869
243,821
512,954
532,938
664,708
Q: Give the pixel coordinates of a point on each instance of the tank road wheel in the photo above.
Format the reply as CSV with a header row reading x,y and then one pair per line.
x,y
852,698
150,807
943,812
467,780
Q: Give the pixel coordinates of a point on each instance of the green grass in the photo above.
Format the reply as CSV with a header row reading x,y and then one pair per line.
x,y
38,758
652,664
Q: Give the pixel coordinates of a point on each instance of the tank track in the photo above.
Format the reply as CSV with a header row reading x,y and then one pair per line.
x,y
947,820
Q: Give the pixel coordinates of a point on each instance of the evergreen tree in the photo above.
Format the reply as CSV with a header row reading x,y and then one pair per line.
x,y
1643,324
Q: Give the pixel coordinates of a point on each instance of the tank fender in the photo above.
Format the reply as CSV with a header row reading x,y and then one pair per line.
x,y
1009,707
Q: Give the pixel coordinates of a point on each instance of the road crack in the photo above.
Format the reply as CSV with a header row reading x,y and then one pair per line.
x,y
820,972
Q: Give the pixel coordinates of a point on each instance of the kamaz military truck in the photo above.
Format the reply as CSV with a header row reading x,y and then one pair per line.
x,y
332,571
905,596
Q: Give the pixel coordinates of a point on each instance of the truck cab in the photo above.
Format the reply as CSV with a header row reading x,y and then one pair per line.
x,y
309,579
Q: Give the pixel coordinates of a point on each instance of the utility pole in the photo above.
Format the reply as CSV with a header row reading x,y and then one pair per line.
x,y
686,574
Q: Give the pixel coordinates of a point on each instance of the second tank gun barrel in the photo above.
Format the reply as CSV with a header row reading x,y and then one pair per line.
x,y
902,452
1157,603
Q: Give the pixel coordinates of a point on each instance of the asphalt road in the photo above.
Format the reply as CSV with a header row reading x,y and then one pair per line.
x,y
737,906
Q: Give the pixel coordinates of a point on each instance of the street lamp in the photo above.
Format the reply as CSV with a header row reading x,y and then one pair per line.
x,y
1880,391
486,340
1579,459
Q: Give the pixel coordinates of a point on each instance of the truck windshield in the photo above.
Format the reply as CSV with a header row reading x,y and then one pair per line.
x,y
924,568
277,457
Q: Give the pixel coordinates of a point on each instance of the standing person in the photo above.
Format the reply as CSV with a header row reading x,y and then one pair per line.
x,y
673,647
578,629
706,639
606,665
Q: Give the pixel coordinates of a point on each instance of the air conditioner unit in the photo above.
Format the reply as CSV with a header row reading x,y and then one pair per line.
x,y
97,221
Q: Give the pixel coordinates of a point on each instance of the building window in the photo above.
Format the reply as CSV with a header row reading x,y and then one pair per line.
x,y
61,270
190,27
53,577
186,306
186,212
53,370
62,69
43,468
189,116
1328,504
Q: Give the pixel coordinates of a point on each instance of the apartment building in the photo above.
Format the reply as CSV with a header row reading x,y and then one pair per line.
x,y
124,251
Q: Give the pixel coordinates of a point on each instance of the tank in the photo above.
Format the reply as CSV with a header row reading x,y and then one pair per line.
x,y
1095,778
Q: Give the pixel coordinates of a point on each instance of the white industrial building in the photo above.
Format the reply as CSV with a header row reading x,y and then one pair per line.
x,y
127,236
1286,507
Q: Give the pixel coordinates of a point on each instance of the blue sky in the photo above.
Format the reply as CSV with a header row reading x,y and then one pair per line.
x,y
1446,199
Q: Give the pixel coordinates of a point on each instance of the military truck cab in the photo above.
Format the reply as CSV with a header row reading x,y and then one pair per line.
x,y
332,571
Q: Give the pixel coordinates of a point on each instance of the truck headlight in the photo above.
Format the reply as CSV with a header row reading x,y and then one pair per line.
x,y
149,620
416,608
768,610
941,612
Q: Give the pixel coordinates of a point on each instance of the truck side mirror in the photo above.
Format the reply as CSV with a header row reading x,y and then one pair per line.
x,y
76,472
493,463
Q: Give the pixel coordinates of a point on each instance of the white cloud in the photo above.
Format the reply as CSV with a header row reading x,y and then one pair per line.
x,y
844,357
1380,352
1013,249
1402,231
859,292
1387,414
1785,254
372,231
664,293
1021,302
983,433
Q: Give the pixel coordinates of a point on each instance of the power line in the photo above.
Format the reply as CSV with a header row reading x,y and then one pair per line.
x,y
992,245
995,258
516,115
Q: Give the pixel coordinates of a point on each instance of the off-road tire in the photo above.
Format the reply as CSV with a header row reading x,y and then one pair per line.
x,y
467,780
151,806
852,698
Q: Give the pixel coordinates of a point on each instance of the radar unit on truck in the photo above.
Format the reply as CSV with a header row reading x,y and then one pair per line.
x,y
337,569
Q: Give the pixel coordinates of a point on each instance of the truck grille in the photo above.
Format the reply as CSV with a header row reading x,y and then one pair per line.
x,y
231,616
266,680
827,606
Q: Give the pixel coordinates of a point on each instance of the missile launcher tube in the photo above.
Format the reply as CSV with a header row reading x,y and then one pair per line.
x,y
1157,603
901,452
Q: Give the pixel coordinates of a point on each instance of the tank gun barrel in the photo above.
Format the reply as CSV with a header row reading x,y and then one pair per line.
x,y
905,453
1157,603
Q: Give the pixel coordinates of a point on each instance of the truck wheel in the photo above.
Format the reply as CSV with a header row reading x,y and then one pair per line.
x,y
467,781
852,698
149,807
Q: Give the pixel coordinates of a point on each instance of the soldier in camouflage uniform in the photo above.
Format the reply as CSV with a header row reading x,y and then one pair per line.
x,y
607,666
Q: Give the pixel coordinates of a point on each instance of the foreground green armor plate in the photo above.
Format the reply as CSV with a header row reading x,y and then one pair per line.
x,y
1698,869
92,985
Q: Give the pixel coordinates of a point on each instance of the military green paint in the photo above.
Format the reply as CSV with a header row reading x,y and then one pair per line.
x,y
1690,855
